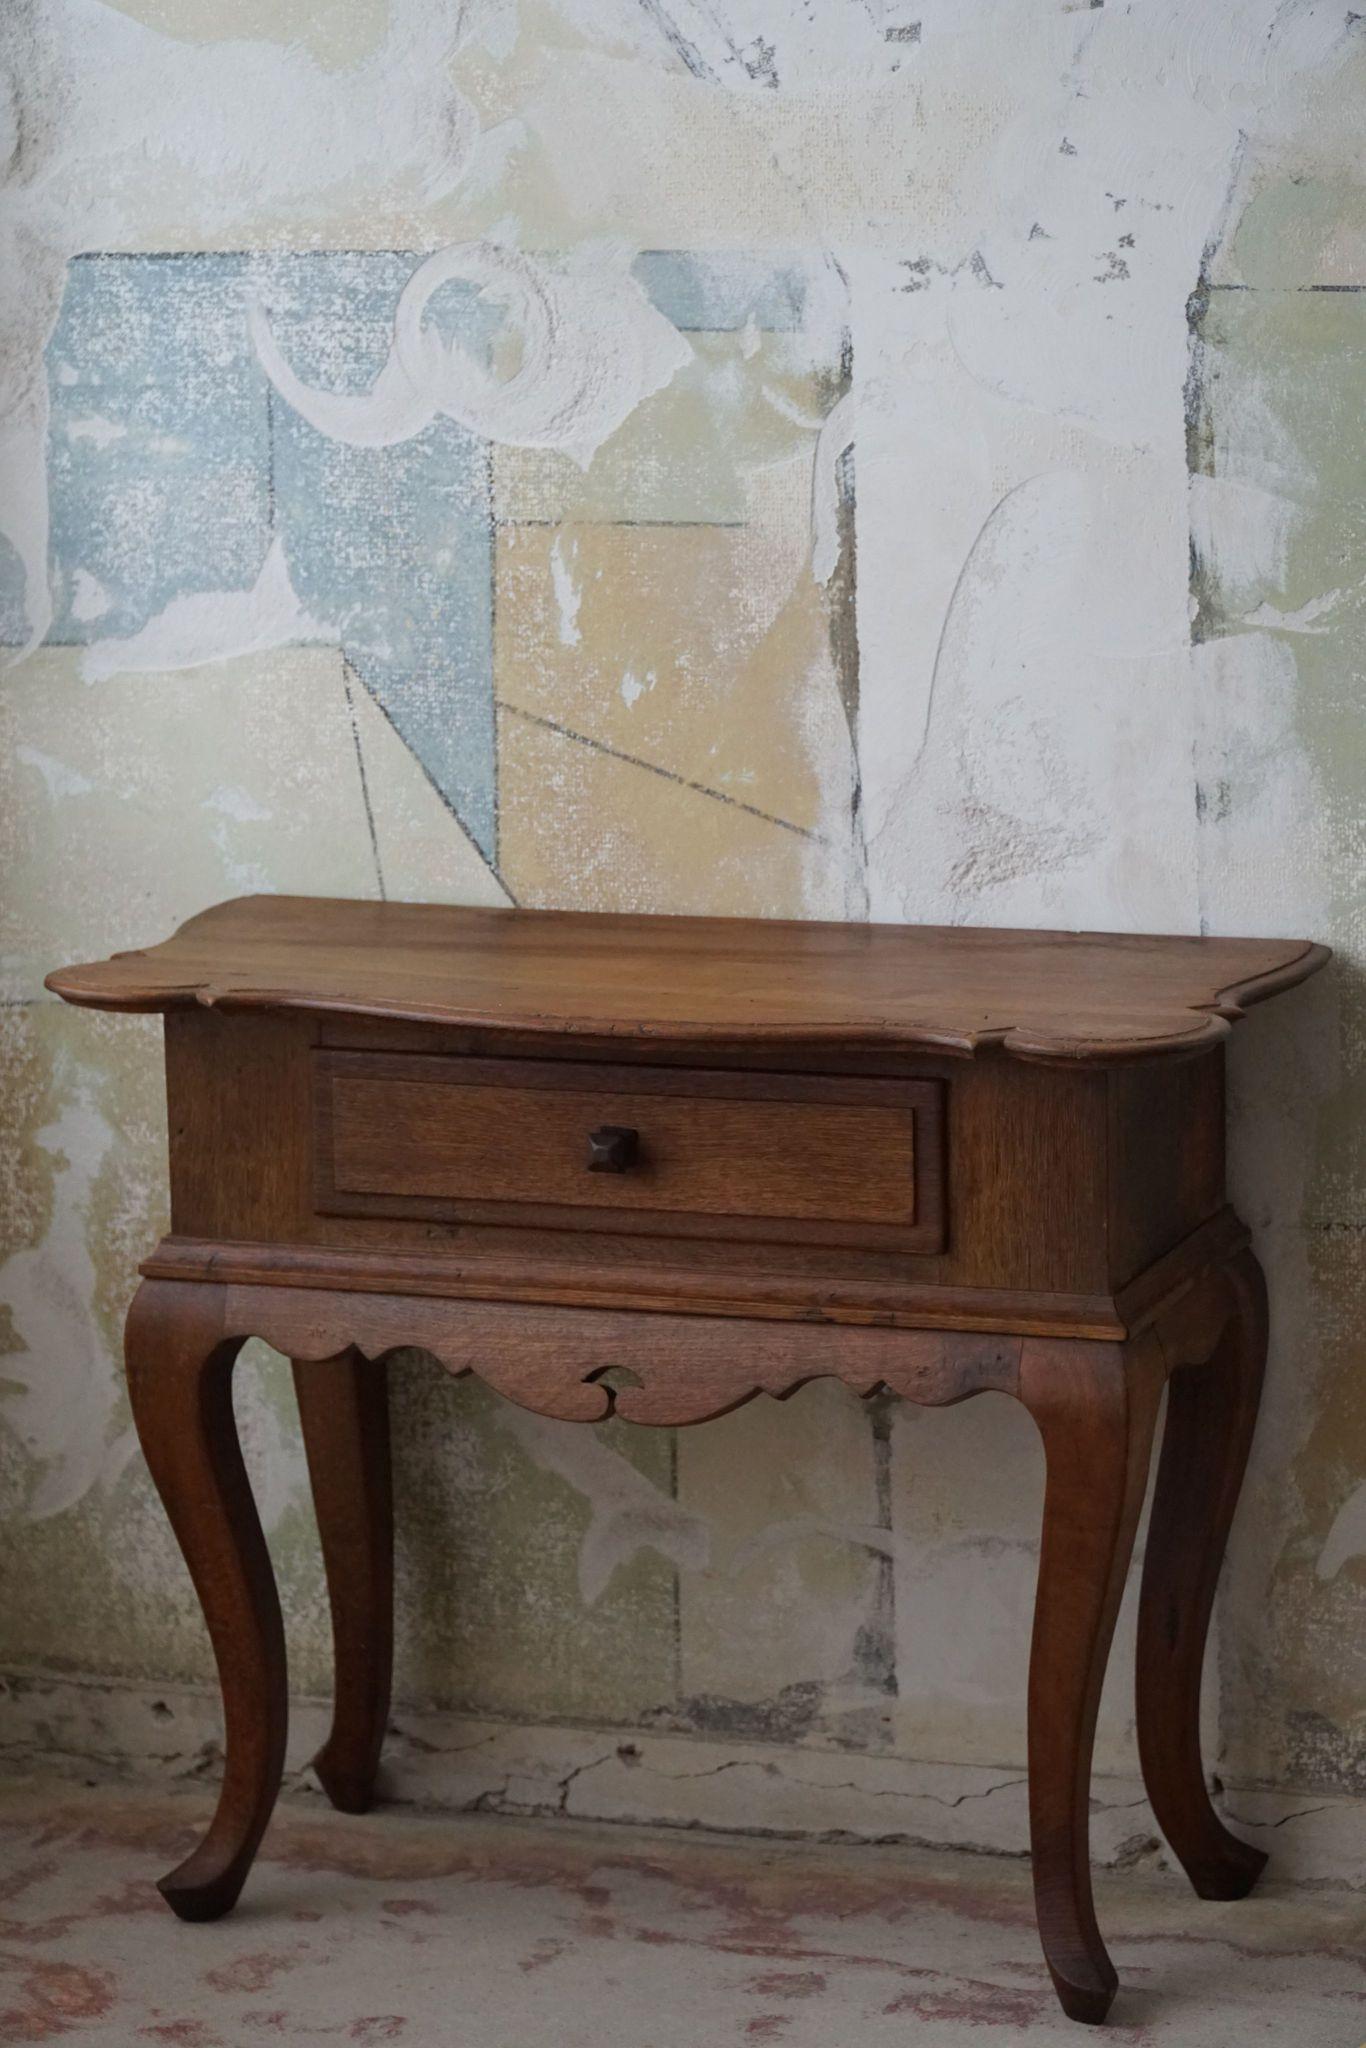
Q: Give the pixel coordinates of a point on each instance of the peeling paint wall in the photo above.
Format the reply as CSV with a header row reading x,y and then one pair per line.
x,y
833,459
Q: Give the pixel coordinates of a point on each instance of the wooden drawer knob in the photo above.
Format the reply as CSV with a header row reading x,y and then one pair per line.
x,y
612,1148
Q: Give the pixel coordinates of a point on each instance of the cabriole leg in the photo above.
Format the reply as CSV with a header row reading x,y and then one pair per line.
x,y
180,1365
344,1412
1211,1413
1095,1405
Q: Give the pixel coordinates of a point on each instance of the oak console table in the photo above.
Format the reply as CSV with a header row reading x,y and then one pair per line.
x,y
731,1157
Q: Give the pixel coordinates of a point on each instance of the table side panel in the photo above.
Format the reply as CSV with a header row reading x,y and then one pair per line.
x,y
237,1112
1166,1157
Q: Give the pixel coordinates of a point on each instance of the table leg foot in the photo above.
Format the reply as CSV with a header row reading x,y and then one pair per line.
x,y
344,1414
1095,1406
1211,1414
1227,1870
1085,1992
179,1364
206,1885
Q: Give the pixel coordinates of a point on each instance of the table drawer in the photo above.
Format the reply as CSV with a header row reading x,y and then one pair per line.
x,y
696,1152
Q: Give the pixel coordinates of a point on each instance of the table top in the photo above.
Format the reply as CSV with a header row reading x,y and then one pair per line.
x,y
1073,996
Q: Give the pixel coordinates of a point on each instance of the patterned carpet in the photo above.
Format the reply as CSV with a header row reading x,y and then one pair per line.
x,y
476,1932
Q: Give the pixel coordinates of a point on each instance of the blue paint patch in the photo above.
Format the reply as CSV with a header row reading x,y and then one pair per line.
x,y
716,292
393,547
158,463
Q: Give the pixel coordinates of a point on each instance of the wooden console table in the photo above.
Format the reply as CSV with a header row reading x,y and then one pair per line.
x,y
731,1157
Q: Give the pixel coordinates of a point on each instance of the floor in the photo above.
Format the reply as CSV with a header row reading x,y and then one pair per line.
x,y
482,1932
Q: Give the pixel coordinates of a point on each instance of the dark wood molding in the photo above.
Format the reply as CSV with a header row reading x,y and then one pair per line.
x,y
685,1370
689,1368
440,1275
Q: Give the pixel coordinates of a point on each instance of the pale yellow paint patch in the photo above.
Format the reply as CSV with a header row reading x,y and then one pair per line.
x,y
1303,223
195,783
583,830
967,1505
1311,1650
681,455
690,166
703,651
82,1196
491,1616
788,1492
336,32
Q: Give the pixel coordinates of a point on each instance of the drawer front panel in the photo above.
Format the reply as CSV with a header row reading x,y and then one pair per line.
x,y
706,1153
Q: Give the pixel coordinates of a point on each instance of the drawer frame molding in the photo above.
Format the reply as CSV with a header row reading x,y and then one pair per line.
x,y
620,1204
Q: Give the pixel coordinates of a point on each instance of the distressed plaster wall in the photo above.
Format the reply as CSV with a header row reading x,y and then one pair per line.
x,y
836,459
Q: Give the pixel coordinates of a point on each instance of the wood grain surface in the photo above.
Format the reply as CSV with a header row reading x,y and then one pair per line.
x,y
1040,995
802,1157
